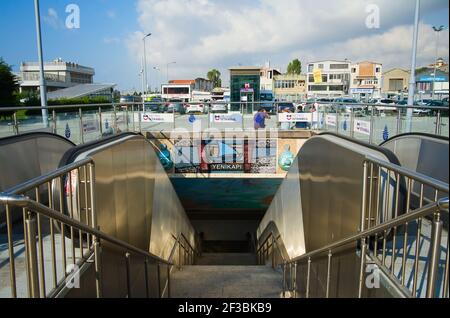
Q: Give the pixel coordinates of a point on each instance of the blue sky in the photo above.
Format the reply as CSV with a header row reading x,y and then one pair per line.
x,y
203,34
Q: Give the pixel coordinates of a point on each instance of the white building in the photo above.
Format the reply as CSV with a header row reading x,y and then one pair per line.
x,y
58,75
366,80
328,78
267,77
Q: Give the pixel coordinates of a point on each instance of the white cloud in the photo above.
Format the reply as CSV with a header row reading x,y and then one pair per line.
x,y
111,14
202,34
52,19
111,40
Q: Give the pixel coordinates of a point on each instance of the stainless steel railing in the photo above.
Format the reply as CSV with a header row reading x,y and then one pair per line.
x,y
423,204
72,225
129,117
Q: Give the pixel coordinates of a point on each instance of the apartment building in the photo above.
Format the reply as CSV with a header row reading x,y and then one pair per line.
x,y
289,87
366,80
395,83
330,78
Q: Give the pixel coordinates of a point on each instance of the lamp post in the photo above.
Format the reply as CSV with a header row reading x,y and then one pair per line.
x,y
438,31
412,80
167,66
145,62
42,84
156,68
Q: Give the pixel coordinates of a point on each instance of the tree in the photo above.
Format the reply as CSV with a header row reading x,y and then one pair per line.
x,y
295,67
8,85
214,76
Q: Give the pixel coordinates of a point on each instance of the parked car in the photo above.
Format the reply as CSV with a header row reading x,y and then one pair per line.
x,y
383,101
348,106
195,108
218,107
176,108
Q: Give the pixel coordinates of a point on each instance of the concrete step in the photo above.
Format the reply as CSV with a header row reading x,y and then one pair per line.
x,y
227,259
226,282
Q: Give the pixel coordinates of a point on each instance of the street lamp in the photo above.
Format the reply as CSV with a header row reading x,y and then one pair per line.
x,y
412,81
438,31
156,68
168,70
42,84
145,62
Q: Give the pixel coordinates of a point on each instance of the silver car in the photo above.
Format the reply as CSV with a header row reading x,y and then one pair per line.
x,y
219,108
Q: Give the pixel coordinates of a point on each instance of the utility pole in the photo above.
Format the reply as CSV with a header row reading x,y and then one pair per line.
x,y
145,62
412,80
42,84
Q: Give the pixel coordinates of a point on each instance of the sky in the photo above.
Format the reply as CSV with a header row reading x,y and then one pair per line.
x,y
203,34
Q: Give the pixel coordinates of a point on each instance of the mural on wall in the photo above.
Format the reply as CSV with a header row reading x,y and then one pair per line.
x,y
286,159
225,156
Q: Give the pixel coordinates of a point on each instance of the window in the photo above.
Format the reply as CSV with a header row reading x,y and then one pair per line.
x,y
336,87
395,84
321,66
311,78
317,88
378,70
338,66
310,68
354,70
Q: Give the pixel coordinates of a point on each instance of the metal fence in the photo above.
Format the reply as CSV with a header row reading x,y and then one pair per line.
x,y
83,123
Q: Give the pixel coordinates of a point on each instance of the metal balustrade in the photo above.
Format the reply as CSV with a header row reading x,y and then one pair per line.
x,y
420,223
83,123
59,209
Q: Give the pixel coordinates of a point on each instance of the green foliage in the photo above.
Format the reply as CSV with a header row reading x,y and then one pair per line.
x,y
66,101
294,67
214,76
8,85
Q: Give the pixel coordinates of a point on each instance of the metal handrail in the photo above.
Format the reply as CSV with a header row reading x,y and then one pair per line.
x,y
421,212
437,184
25,202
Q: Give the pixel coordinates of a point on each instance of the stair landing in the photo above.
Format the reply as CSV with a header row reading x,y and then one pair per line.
x,y
226,282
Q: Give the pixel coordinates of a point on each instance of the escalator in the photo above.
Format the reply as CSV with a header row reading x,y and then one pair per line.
x,y
239,253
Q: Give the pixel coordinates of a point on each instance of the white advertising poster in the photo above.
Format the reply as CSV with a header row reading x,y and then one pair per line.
x,y
226,118
295,117
90,126
158,118
331,120
362,127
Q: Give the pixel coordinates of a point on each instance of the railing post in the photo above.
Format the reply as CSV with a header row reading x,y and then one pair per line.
x,y
362,267
284,280
438,123
147,289
337,119
372,125
98,267
115,117
55,130
352,123
434,256
127,118
327,293
308,277
81,125
16,124
128,264
295,280
100,120
30,224
399,120
159,279
273,252
168,281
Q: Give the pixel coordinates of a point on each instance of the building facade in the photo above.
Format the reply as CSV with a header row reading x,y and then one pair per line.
x,y
289,87
267,75
329,78
395,83
428,81
58,75
245,84
366,80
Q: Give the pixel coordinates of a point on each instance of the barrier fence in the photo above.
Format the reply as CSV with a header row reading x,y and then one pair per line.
x,y
84,123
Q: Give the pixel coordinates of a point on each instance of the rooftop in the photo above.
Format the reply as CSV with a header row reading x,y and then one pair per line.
x,y
79,91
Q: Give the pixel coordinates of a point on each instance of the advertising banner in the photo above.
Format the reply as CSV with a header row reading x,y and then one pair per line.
x,y
362,127
158,118
226,118
331,120
90,126
317,76
295,117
